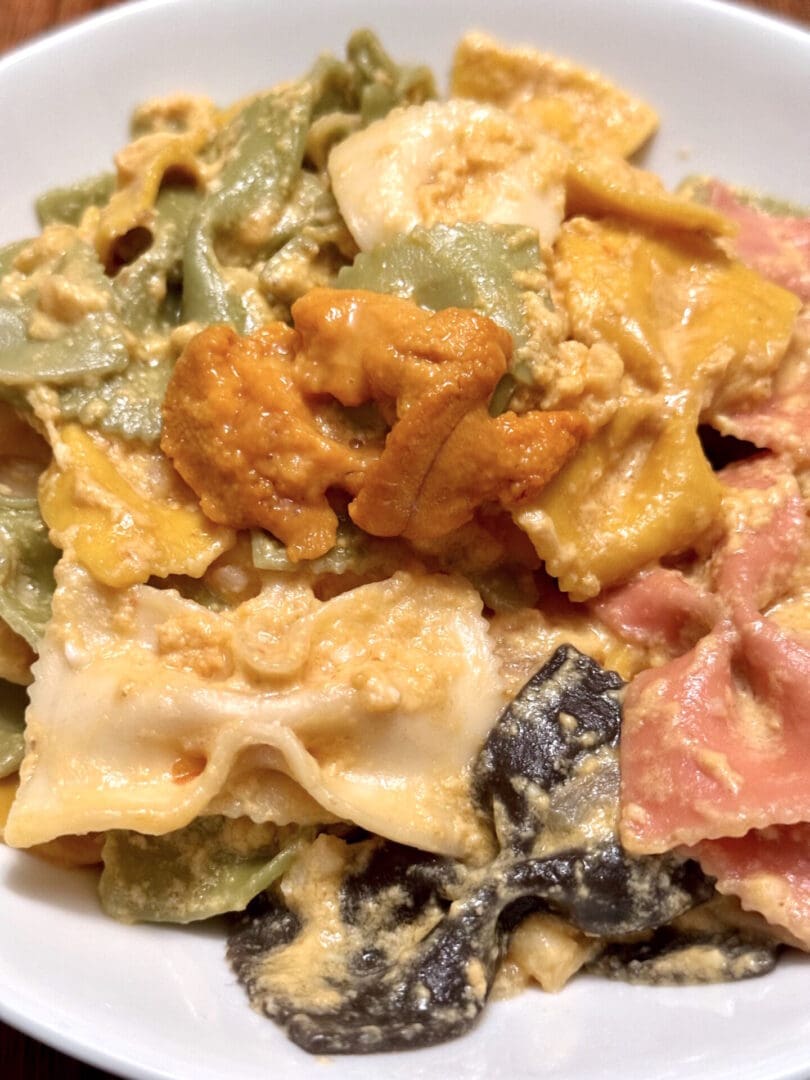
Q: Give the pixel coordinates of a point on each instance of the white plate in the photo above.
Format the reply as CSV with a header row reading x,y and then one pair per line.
x,y
732,89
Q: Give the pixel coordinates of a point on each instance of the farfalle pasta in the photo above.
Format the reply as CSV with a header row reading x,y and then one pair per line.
x,y
403,543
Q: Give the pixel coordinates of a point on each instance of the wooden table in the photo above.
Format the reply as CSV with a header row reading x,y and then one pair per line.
x,y
22,1058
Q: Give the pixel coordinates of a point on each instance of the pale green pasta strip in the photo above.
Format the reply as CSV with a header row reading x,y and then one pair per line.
x,y
146,292
92,344
269,137
127,404
13,703
313,245
494,269
263,171
68,204
27,559
354,552
212,866
368,82
144,288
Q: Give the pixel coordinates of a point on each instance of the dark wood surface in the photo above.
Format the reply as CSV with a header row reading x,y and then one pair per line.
x,y
22,1058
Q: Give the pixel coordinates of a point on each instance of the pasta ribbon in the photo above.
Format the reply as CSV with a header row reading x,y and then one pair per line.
x,y
16,656
66,205
599,184
640,489
690,323
124,512
26,556
13,702
259,173
8,789
58,314
142,168
374,703
496,270
212,866
681,313
444,163
26,567
578,106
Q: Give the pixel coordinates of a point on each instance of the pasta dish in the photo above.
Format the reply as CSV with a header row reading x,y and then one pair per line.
x,y
403,543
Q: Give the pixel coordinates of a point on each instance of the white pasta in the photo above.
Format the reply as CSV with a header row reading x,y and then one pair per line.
x,y
373,702
445,162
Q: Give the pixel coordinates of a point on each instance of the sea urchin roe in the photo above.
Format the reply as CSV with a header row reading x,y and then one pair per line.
x,y
231,404
244,422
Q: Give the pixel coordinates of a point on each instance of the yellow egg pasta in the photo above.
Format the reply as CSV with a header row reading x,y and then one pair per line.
x,y
124,512
579,106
